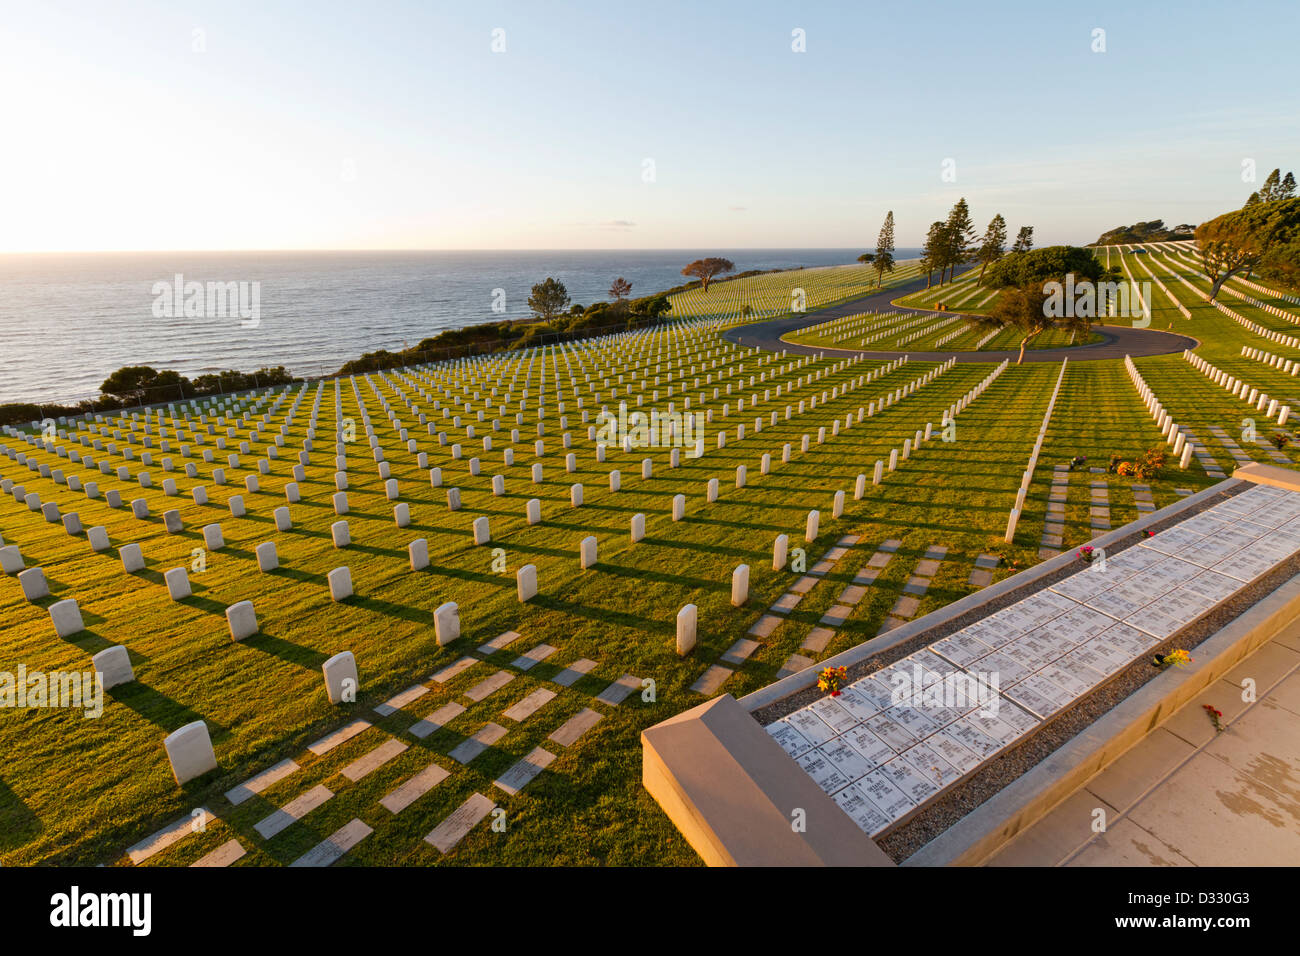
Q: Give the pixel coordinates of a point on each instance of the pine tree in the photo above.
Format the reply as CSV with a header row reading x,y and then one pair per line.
x,y
994,245
1275,187
960,233
884,261
1024,239
932,251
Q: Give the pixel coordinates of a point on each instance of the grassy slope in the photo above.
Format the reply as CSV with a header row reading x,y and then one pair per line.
x,y
77,790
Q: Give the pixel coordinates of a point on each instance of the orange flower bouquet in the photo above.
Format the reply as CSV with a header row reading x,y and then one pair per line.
x,y
832,679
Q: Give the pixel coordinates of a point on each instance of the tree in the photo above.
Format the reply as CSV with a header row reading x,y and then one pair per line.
x,y
1281,264
1238,240
1024,239
932,251
1276,187
1028,310
1038,266
959,232
620,290
867,258
651,307
706,269
138,383
549,299
994,245
884,261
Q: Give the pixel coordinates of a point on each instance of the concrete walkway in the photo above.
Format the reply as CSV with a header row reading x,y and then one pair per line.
x,y
1188,796
1117,341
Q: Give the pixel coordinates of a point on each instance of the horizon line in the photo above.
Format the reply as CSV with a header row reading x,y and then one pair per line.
x,y
98,252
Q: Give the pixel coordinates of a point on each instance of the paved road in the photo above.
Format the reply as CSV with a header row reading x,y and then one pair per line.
x,y
1117,341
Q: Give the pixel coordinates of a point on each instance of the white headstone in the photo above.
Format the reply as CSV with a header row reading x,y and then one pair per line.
x,y
526,582
242,620
190,752
132,558
340,580
66,617
780,552
113,665
341,534
267,559
482,535
178,584
810,529
446,622
679,507
740,585
587,551
686,629
341,678
638,527
34,584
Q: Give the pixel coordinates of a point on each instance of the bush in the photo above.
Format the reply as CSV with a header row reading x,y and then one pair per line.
x,y
1037,266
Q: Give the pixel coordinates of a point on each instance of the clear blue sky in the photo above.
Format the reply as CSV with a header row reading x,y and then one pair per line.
x,y
296,125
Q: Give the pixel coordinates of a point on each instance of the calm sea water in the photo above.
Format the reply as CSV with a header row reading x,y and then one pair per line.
x,y
72,319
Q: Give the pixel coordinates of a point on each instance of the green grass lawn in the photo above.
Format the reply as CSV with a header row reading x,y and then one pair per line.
x,y
78,790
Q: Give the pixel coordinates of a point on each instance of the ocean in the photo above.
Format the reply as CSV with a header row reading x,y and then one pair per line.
x,y
72,319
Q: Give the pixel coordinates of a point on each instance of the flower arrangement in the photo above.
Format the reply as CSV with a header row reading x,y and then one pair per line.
x,y
1216,717
1087,553
1077,462
832,679
1146,467
1148,533
1279,440
1177,658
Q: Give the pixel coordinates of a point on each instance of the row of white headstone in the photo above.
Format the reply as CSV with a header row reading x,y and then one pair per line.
x,y
1248,394
1014,517
1289,366
1169,430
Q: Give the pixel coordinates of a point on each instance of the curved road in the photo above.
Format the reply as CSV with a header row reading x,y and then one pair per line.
x,y
1117,341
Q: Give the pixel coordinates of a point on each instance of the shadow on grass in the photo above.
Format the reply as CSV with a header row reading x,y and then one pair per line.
x,y
18,822
161,710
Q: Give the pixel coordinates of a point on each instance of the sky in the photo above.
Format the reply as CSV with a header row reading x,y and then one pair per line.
x,y
610,125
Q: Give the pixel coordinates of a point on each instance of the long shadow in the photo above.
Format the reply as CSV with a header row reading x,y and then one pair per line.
x,y
157,708
619,618
402,611
660,577
19,824
286,650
